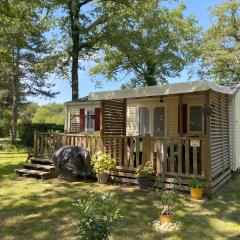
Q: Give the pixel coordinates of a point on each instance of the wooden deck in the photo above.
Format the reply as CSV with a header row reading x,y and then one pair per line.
x,y
170,157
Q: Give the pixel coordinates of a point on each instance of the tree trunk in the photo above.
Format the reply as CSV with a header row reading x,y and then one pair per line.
x,y
74,72
74,9
14,110
15,95
149,75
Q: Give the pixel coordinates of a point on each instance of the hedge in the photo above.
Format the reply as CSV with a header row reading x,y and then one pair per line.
x,y
26,131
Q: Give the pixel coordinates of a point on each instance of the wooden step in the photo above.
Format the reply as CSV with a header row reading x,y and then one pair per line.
x,y
34,173
42,160
45,167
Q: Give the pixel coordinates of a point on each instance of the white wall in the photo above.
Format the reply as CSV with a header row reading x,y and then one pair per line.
x,y
171,114
236,162
74,109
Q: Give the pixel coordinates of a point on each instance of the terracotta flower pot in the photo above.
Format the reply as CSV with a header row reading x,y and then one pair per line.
x,y
166,219
102,178
196,193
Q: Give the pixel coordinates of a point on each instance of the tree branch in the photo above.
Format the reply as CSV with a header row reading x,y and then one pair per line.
x,y
81,4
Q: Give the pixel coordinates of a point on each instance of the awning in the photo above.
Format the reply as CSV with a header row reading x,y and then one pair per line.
x,y
168,89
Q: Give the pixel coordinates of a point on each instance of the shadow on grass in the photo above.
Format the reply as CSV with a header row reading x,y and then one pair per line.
x,y
49,214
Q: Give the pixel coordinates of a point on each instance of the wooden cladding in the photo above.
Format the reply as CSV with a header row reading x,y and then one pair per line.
x,y
219,133
114,117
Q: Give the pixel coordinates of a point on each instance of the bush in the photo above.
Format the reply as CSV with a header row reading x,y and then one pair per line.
x,y
195,183
96,216
102,163
146,170
26,131
5,128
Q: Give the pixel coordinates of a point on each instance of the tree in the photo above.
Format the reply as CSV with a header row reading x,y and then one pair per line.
x,y
149,42
81,27
50,113
28,111
26,53
221,44
80,33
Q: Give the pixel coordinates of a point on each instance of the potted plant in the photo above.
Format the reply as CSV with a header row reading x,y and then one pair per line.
x,y
144,175
196,188
102,164
167,198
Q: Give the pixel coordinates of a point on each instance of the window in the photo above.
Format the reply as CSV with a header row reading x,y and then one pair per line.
x,y
195,119
90,120
74,123
159,121
143,120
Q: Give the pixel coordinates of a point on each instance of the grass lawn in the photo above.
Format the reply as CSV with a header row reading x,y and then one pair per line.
x,y
35,209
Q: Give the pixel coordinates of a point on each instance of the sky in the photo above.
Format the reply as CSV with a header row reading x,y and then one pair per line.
x,y
199,8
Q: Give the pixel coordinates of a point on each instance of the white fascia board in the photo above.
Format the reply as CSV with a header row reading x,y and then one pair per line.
x,y
168,89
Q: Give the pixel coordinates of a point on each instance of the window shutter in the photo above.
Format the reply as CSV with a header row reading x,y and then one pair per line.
x,y
97,119
82,119
185,118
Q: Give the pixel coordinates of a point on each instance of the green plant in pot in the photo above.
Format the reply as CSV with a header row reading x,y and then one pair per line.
x,y
144,175
196,188
102,164
167,199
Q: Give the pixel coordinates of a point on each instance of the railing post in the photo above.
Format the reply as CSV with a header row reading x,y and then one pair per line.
x,y
35,144
147,149
100,142
65,138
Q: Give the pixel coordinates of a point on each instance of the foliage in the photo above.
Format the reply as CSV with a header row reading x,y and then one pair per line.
x,y
145,170
167,197
102,163
221,44
49,113
28,110
195,183
80,31
26,53
147,41
26,131
96,216
5,122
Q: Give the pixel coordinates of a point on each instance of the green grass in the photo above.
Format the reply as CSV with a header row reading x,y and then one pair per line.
x,y
35,209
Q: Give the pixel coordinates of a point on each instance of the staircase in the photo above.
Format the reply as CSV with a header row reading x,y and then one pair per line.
x,y
42,168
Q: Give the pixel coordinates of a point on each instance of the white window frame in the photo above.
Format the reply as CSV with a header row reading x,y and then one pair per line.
x,y
149,118
165,117
151,107
188,119
86,112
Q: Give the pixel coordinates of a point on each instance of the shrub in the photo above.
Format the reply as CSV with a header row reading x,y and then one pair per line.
x,y
96,216
146,170
26,131
102,163
194,183
167,197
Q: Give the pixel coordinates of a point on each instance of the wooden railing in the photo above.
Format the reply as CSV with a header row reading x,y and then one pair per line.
x,y
169,156
45,144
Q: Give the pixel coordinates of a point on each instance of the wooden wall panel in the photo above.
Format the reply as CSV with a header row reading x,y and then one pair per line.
x,y
114,117
219,134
